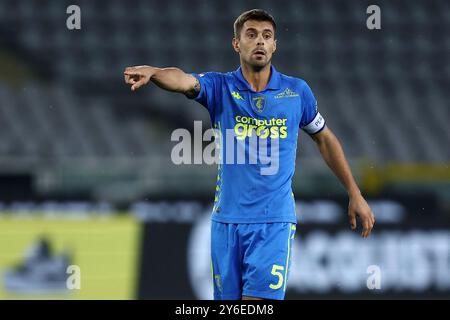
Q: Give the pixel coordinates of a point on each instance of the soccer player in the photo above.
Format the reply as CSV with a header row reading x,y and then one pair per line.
x,y
253,218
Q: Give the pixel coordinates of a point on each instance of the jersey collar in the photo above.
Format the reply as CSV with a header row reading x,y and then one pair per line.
x,y
273,84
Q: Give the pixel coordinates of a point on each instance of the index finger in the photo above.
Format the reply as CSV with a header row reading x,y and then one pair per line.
x,y
132,73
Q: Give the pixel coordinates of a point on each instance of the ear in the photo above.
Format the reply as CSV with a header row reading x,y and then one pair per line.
x,y
235,44
274,46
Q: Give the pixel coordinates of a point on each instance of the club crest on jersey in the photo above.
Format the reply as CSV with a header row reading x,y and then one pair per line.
x,y
259,103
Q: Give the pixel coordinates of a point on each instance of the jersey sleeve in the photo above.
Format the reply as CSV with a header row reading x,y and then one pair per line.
x,y
311,121
209,84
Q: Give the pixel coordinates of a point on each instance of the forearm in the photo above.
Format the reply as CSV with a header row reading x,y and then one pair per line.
x,y
171,79
332,153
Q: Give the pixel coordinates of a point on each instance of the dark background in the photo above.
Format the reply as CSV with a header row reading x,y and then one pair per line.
x,y
73,131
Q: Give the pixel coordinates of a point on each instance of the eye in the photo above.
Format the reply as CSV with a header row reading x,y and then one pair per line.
x,y
267,36
251,35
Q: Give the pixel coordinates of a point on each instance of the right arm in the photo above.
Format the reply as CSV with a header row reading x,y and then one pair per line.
x,y
171,79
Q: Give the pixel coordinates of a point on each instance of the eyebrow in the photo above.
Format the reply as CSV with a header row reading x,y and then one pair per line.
x,y
253,29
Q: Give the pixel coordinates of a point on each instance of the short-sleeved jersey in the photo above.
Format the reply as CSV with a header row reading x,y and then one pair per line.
x,y
258,189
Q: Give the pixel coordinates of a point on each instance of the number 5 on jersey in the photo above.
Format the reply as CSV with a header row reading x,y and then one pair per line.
x,y
276,272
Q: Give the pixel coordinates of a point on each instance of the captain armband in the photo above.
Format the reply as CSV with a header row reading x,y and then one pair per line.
x,y
316,125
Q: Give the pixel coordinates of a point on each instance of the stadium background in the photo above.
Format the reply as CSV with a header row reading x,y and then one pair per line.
x,y
85,170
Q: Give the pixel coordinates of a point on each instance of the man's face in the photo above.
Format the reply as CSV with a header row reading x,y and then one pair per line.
x,y
256,43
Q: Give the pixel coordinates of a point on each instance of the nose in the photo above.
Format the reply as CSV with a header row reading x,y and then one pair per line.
x,y
260,40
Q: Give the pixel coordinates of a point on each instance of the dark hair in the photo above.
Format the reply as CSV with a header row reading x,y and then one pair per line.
x,y
254,14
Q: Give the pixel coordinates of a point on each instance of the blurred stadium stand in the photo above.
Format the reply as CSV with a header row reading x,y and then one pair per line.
x,y
85,163
384,93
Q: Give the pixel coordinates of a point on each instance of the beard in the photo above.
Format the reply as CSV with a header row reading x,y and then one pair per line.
x,y
258,64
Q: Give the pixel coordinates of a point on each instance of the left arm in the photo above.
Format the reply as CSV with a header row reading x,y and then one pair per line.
x,y
332,153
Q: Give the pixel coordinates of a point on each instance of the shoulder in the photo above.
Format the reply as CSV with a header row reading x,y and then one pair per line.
x,y
211,75
294,82
211,78
299,87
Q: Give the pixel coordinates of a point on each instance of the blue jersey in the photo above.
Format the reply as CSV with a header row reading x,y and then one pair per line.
x,y
257,189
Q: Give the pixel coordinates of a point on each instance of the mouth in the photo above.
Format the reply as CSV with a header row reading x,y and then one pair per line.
x,y
259,52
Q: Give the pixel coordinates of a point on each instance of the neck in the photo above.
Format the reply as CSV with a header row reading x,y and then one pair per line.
x,y
256,78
